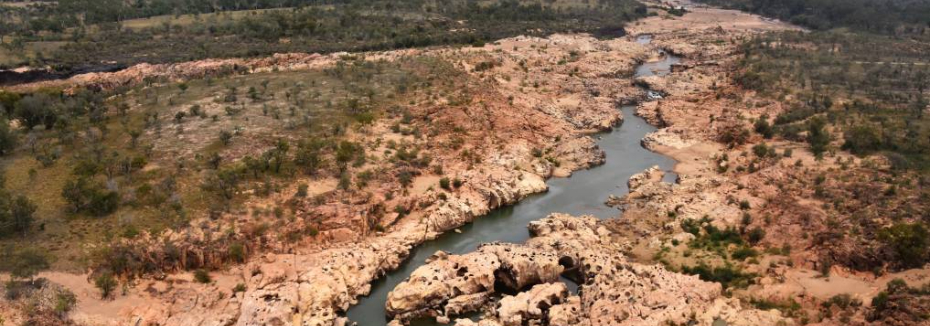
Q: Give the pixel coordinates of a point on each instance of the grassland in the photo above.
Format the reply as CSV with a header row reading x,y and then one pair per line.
x,y
179,128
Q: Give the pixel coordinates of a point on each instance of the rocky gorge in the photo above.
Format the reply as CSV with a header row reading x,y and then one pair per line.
x,y
537,109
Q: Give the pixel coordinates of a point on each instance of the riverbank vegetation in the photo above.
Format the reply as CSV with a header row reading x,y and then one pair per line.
x,y
88,34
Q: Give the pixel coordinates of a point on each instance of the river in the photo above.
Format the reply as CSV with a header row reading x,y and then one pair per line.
x,y
584,193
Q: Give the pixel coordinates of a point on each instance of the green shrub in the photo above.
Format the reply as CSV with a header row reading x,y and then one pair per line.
x,y
202,276
727,275
842,301
302,190
744,252
755,235
64,302
862,139
444,183
763,127
909,241
236,252
761,150
106,283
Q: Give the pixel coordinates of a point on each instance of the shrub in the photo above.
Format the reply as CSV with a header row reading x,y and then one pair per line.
x,y
301,190
744,252
225,137
691,226
86,196
405,178
537,152
202,276
64,302
236,252
817,135
728,275
842,301
239,288
761,150
763,127
862,139
744,205
25,264
755,235
733,135
106,283
8,137
444,183
910,243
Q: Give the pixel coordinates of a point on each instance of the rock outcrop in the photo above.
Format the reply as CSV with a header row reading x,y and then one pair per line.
x,y
613,290
454,284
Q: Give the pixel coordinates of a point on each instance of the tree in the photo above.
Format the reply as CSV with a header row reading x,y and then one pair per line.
x,y
106,283
817,135
225,137
7,137
224,183
38,109
134,135
21,211
910,242
862,139
308,155
27,263
763,127
84,195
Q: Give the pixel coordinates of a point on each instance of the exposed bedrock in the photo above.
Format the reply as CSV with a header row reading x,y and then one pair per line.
x,y
613,290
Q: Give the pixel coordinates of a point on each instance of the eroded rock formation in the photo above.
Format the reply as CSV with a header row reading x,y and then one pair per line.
x,y
613,290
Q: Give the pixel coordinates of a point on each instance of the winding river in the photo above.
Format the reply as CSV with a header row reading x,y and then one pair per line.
x,y
584,193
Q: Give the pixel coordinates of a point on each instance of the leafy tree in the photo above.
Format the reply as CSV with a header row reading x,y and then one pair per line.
x,y
347,151
8,137
910,242
224,182
862,139
763,127
308,155
83,195
21,211
27,263
37,109
817,135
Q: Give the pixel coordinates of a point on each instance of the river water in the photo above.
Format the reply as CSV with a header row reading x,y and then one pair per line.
x,y
584,193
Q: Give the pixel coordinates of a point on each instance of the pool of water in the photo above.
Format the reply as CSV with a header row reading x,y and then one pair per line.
x,y
584,193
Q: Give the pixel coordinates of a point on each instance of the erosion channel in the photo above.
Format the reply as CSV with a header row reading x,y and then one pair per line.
x,y
584,193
